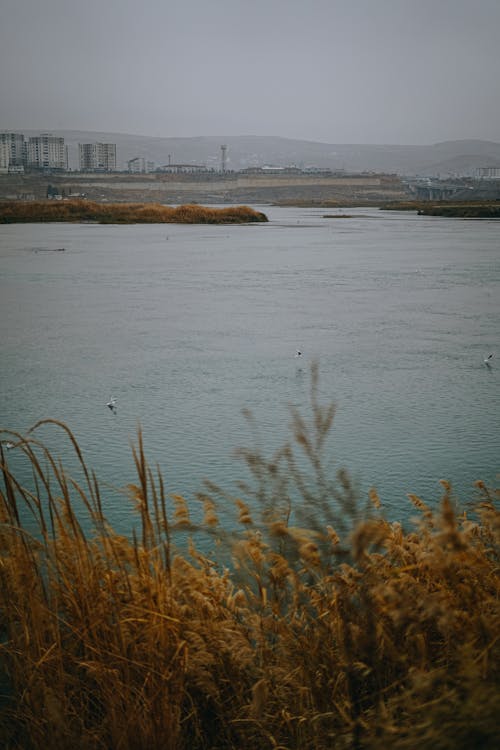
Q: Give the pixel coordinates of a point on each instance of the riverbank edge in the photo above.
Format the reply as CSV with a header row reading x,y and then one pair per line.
x,y
462,209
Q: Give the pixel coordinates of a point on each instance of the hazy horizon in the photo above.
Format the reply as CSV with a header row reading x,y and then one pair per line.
x,y
334,71
220,137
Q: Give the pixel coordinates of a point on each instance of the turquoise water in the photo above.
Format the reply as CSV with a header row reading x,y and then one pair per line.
x,y
187,325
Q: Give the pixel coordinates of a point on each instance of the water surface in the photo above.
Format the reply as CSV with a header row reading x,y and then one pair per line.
x,y
187,325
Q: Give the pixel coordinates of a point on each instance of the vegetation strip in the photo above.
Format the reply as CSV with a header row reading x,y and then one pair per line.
x,y
78,211
464,209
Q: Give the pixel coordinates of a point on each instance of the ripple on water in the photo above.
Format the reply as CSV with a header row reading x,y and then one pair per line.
x,y
185,333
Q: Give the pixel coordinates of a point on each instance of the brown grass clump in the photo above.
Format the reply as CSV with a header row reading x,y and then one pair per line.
x,y
123,213
322,631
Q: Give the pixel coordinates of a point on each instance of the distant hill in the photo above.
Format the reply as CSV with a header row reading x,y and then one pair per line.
x,y
445,159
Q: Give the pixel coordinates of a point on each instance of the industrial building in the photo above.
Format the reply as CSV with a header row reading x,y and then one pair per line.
x,y
487,173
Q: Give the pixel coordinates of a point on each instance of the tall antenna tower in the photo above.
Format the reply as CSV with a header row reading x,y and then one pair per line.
x,y
223,158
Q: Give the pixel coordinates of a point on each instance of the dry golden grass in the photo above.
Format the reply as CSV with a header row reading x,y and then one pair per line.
x,y
322,631
124,213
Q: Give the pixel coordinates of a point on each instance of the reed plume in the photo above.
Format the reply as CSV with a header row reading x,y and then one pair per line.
x,y
306,623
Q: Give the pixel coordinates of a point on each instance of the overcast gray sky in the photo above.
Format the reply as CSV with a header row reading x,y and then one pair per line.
x,y
338,71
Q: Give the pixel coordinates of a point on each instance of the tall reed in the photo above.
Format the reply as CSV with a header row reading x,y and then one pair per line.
x,y
301,625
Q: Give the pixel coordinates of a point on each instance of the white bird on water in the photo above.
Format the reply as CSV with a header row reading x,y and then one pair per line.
x,y
112,404
488,359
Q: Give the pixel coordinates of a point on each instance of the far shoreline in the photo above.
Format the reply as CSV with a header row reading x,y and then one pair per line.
x,y
486,209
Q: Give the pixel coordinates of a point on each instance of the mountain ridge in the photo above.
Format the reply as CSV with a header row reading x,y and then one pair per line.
x,y
445,158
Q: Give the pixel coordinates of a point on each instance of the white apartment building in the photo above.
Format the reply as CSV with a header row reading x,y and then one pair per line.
x,y
46,151
4,157
97,157
14,142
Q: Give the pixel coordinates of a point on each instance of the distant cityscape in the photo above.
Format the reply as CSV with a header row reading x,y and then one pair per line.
x,y
48,153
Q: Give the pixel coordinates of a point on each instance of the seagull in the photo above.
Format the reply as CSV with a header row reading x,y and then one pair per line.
x,y
8,445
112,404
488,359
298,353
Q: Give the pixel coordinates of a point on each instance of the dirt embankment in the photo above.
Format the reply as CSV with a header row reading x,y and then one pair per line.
x,y
209,188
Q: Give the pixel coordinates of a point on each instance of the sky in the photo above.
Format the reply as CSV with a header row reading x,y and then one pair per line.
x,y
336,71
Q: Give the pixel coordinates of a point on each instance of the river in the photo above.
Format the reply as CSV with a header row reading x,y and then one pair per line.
x,y
188,325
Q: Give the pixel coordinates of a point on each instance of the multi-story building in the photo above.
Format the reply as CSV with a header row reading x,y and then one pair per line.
x,y
4,157
139,165
14,142
97,157
46,151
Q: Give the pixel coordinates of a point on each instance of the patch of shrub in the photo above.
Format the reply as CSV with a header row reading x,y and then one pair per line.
x,y
123,213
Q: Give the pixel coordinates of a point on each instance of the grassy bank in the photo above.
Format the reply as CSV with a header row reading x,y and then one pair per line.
x,y
123,213
464,209
330,203
302,628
